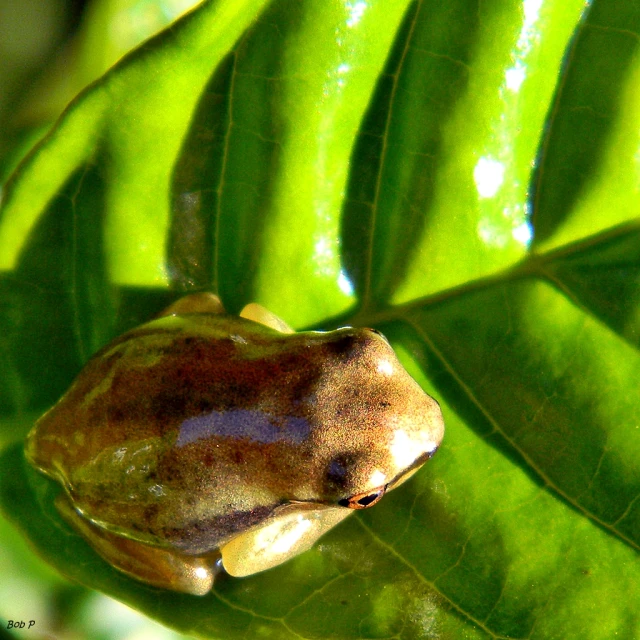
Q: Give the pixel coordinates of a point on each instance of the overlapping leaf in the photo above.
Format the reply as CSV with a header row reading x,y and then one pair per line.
x,y
464,177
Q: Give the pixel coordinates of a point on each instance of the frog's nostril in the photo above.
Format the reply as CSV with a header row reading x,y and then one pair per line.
x,y
363,500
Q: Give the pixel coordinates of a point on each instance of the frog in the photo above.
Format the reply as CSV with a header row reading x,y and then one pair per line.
x,y
203,442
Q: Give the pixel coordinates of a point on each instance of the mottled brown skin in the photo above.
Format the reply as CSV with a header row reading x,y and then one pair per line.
x,y
195,428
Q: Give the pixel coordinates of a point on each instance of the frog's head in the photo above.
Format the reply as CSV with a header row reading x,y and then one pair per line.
x,y
371,427
376,425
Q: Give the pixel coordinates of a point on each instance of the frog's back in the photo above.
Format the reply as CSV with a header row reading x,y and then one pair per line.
x,y
128,440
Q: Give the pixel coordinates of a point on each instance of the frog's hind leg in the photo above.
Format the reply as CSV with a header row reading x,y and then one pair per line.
x,y
203,302
152,565
258,313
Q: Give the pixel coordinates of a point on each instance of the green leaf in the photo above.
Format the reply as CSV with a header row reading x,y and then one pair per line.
x,y
463,176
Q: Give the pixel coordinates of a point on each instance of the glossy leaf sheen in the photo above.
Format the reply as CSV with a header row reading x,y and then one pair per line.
x,y
462,176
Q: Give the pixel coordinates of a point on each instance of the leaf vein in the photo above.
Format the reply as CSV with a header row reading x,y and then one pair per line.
x,y
532,464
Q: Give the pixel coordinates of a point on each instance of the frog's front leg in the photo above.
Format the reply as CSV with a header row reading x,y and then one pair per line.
x,y
152,565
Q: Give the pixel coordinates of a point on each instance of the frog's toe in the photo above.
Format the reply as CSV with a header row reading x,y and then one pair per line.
x,y
203,302
258,313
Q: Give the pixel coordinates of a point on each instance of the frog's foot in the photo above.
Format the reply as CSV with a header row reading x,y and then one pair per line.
x,y
152,565
258,313
203,302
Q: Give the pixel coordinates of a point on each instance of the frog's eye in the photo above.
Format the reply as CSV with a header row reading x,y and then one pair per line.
x,y
363,500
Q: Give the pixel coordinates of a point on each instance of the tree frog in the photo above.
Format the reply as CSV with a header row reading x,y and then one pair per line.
x,y
202,441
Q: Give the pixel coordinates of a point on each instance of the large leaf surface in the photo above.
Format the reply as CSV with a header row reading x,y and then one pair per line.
x,y
464,177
